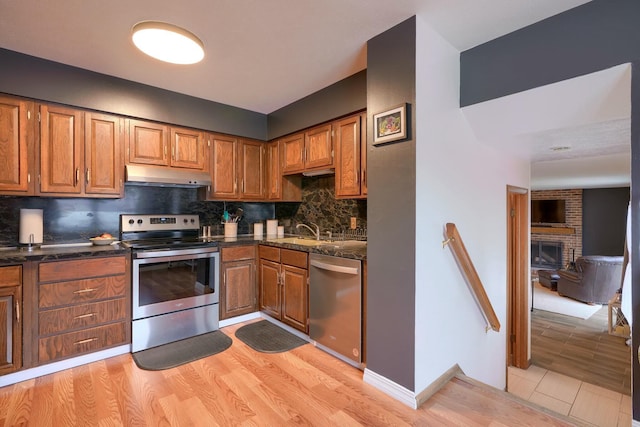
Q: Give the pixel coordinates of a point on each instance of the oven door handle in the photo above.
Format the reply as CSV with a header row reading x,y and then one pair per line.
x,y
173,253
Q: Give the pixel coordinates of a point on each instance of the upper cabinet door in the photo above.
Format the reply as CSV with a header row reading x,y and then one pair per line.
x,y
147,143
292,153
104,141
347,133
319,147
187,149
16,145
252,172
61,150
225,167
274,176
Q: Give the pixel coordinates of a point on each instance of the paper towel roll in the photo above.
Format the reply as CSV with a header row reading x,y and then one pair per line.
x,y
31,226
272,227
257,230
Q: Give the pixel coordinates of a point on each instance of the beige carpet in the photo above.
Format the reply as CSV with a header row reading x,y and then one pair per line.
x,y
548,300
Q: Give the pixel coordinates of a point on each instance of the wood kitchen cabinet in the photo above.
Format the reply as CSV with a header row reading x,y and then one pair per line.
x,y
151,143
10,319
238,169
280,188
147,143
252,169
83,305
61,150
307,151
351,156
284,285
224,158
238,287
17,146
80,153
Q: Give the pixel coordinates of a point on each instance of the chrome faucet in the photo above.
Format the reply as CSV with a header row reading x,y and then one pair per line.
x,y
315,233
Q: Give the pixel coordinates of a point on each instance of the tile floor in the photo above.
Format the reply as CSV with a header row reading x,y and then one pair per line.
x,y
585,402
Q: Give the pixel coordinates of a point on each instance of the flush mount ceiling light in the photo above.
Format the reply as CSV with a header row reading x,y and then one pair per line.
x,y
167,42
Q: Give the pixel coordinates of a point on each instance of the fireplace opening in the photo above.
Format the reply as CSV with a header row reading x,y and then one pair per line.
x,y
547,255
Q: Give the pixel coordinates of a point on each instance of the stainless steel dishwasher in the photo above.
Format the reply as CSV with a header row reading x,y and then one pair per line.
x,y
335,305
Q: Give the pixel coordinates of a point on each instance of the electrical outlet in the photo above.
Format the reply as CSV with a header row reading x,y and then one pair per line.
x,y
353,223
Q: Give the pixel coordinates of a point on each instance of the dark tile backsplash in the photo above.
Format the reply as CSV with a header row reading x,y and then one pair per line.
x,y
320,206
69,220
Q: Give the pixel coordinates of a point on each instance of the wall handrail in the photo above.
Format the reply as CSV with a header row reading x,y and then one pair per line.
x,y
454,240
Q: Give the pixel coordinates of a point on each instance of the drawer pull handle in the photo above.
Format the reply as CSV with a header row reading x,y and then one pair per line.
x,y
88,340
83,316
84,291
17,312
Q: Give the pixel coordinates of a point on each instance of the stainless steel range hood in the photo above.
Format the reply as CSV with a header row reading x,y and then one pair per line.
x,y
166,177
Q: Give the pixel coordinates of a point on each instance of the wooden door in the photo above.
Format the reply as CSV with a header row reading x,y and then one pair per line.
x,y
294,297
187,149
292,153
518,286
274,175
225,167
147,143
270,298
103,144
348,146
16,145
252,175
319,147
238,289
10,319
61,150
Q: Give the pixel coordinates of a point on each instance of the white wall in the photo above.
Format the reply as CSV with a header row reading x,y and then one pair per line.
x,y
459,180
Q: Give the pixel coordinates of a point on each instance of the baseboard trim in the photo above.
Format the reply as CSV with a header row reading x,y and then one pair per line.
x,y
239,319
405,395
435,386
50,368
387,386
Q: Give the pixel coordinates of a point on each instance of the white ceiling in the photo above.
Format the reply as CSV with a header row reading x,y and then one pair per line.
x,y
262,55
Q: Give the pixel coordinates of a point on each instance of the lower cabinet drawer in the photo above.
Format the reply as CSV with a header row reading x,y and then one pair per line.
x,y
79,342
81,291
81,316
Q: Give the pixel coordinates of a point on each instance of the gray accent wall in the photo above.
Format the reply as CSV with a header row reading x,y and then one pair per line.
x,y
604,218
44,80
592,37
341,98
391,210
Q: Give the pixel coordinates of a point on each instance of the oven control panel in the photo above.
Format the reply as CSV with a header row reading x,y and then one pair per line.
x,y
129,223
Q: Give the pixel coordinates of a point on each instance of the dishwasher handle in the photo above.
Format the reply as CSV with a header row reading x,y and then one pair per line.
x,y
333,267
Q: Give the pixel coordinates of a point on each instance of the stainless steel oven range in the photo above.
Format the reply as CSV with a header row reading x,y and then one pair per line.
x,y
175,278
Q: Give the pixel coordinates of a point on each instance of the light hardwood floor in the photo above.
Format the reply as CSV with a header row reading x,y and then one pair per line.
x,y
582,349
239,386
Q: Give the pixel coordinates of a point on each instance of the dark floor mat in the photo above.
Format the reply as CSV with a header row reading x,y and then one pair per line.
x,y
265,337
180,352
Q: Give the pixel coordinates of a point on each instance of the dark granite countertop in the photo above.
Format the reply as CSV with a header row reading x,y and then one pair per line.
x,y
17,255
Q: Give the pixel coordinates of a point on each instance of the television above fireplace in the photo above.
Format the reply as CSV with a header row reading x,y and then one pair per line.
x,y
548,212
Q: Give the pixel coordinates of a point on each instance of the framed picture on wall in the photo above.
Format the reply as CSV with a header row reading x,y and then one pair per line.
x,y
390,125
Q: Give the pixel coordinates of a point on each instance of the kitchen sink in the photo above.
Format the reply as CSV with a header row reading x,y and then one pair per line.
x,y
337,244
297,241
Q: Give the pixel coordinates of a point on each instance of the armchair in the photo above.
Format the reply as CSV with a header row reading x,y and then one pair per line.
x,y
595,280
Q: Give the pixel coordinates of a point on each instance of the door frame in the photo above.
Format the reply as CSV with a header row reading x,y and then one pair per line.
x,y
518,274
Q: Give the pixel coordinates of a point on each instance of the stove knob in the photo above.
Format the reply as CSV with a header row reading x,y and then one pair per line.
x,y
185,220
193,221
131,221
139,221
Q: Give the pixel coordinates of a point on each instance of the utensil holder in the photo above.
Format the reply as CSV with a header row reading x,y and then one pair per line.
x,y
230,230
